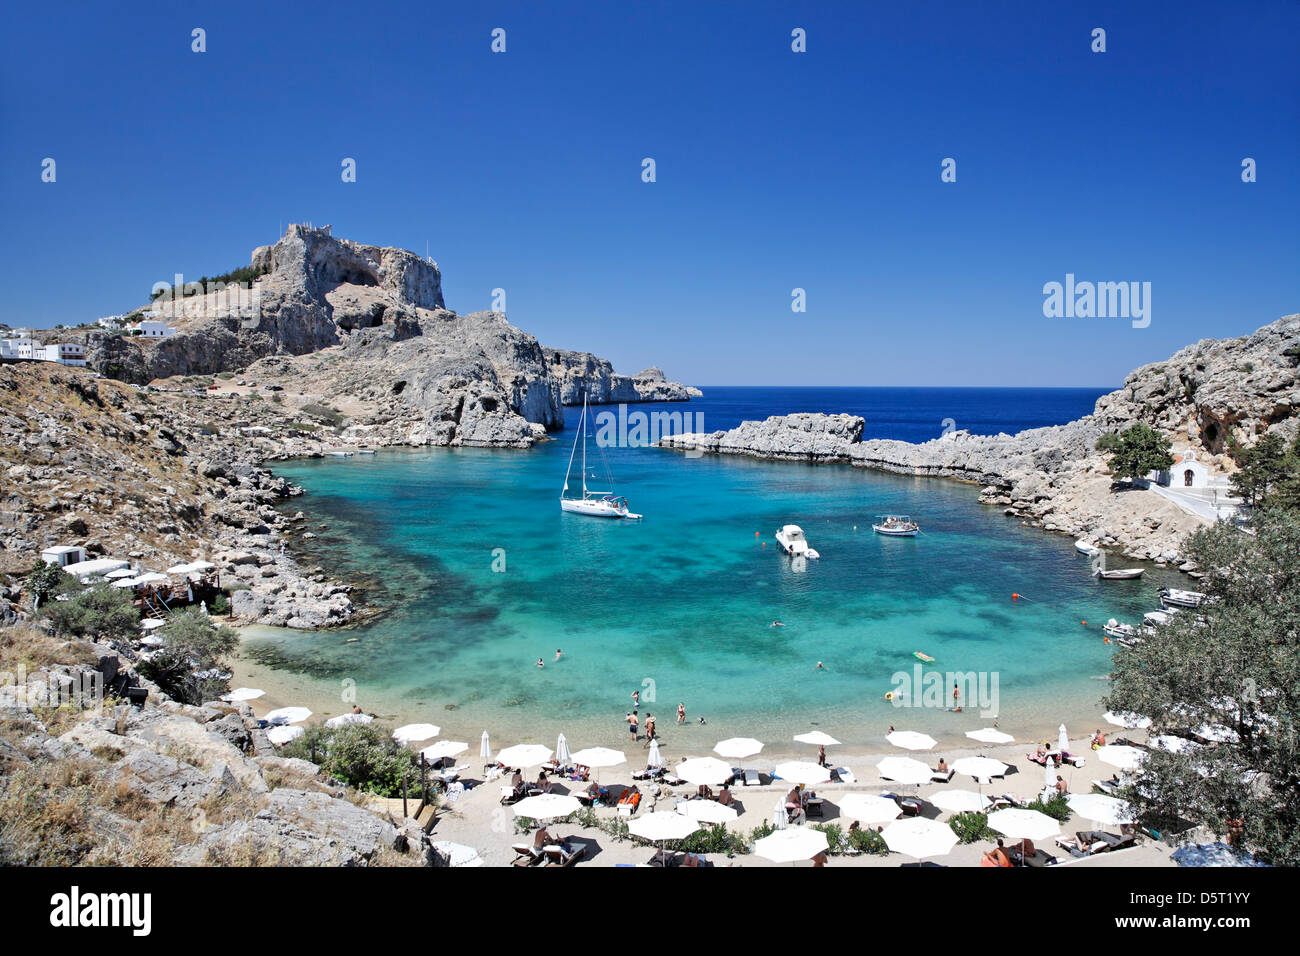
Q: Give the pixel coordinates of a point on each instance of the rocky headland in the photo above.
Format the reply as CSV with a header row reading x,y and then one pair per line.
x,y
1053,477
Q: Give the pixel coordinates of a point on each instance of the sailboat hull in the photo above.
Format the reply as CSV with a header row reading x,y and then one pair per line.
x,y
595,508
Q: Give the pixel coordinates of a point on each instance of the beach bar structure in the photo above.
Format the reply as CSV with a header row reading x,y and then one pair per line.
x,y
85,571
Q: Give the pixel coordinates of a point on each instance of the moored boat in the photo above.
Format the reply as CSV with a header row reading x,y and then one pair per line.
x,y
896,526
1176,597
1120,574
597,504
1083,547
792,541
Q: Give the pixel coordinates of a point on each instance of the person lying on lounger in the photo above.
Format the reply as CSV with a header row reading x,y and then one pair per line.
x,y
725,798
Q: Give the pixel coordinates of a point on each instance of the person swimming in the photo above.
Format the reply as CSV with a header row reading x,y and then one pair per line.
x,y
776,624
820,666
558,652
540,662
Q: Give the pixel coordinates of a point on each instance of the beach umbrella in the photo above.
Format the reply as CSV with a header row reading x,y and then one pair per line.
x,y
152,623
282,735
548,806
120,573
791,845
737,748
663,825
484,747
180,569
869,808
1022,824
152,640
981,768
342,720
201,565
288,715
780,816
704,771
150,577
904,770
458,854
960,801
1126,719
599,757
444,748
1049,775
919,837
1062,739
243,693
525,755
124,583
1126,758
1174,745
707,811
1101,809
654,758
911,740
801,771
562,755
817,739
990,735
413,733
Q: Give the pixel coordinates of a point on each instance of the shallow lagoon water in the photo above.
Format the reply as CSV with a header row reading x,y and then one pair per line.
x,y
679,605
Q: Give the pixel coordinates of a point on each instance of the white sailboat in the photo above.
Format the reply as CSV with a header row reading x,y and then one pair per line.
x,y
598,504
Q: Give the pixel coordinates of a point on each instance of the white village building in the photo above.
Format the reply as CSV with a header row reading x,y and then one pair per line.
x,y
63,555
65,353
152,329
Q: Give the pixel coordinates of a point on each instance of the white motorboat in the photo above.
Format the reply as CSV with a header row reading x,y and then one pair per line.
x,y
1127,634
1159,617
1174,597
597,504
896,526
1083,547
793,543
1121,574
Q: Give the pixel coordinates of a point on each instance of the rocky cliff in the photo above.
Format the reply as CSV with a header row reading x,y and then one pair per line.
x,y
450,379
579,373
1242,387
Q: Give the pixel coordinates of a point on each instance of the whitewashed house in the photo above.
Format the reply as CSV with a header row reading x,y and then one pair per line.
x,y
1186,472
21,346
63,555
86,571
65,353
153,329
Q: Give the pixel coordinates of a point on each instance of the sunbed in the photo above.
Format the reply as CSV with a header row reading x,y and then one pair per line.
x,y
843,775
943,776
526,854
628,802
752,778
555,855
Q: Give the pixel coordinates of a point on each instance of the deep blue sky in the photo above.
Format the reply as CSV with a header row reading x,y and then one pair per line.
x,y
775,170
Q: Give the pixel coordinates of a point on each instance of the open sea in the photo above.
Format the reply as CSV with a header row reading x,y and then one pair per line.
x,y
480,574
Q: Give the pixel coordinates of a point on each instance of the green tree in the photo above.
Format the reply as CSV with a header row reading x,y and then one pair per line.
x,y
45,580
1138,450
364,756
1235,663
1268,473
189,666
98,612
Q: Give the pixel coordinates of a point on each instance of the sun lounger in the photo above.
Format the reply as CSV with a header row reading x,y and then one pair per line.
x,y
843,775
943,776
1108,787
628,803
555,855
1040,857
672,779
752,778
510,795
649,773
664,858
526,854
813,806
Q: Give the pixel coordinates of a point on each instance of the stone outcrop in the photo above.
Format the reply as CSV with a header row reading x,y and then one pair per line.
x,y
579,373
1053,476
172,784
378,314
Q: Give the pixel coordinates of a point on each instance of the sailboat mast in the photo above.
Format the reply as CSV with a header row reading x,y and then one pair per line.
x,y
584,441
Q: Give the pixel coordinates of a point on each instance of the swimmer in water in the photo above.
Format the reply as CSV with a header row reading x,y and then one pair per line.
x,y
540,662
703,721
776,624
558,652
820,666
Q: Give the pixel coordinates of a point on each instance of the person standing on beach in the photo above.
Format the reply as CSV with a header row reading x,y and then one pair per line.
x,y
821,755
649,728
631,726
954,693
681,712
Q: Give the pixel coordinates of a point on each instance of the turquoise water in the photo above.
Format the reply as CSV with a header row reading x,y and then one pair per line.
x,y
680,603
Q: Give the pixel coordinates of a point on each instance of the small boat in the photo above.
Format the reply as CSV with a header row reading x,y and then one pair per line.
x,y
793,543
1178,598
1122,574
896,526
365,451
923,657
1126,634
597,504
1154,618
339,454
1083,547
